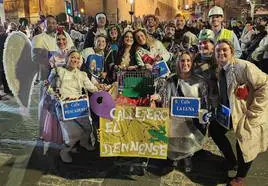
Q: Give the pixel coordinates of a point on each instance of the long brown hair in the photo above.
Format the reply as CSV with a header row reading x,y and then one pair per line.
x,y
179,58
149,39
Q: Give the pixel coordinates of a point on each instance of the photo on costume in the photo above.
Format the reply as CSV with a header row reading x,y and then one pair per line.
x,y
95,64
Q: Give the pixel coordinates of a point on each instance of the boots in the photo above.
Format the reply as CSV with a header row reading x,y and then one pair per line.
x,y
65,155
84,142
188,164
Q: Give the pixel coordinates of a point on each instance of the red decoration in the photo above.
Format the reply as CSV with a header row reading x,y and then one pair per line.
x,y
148,59
242,92
122,100
60,30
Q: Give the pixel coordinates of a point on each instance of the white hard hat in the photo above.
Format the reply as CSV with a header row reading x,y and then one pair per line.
x,y
215,10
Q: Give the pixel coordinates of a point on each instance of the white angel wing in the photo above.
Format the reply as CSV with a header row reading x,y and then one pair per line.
x,y
19,68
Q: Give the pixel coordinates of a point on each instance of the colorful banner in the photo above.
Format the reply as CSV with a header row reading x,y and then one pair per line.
x,y
135,132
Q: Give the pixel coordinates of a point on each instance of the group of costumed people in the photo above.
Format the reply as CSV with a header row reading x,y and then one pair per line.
x,y
213,73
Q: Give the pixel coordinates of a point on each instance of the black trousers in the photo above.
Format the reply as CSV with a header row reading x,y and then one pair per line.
x,y
4,82
217,133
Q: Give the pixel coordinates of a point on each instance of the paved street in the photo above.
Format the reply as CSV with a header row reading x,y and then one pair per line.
x,y
22,161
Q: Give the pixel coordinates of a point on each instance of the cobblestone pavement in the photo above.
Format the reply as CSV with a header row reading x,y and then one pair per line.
x,y
22,161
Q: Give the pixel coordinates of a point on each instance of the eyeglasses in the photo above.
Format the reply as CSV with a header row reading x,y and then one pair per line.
x,y
203,42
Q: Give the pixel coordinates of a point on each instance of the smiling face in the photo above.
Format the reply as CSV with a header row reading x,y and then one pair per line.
x,y
169,31
100,43
185,64
113,33
101,21
74,60
215,20
128,39
61,41
223,54
206,47
151,22
180,22
140,38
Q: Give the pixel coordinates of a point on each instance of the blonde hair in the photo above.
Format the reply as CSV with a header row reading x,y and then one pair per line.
x,y
228,42
70,53
149,39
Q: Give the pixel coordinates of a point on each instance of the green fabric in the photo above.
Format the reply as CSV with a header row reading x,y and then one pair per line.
x,y
138,86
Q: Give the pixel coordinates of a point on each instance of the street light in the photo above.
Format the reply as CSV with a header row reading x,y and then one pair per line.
x,y
252,7
82,10
252,4
131,12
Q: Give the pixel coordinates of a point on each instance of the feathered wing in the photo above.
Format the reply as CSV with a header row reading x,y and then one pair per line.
x,y
19,68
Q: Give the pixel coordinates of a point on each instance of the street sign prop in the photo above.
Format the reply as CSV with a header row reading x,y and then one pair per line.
x,y
75,109
187,107
223,115
163,68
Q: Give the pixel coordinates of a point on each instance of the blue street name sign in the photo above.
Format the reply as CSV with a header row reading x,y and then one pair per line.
x,y
75,109
223,115
185,107
163,68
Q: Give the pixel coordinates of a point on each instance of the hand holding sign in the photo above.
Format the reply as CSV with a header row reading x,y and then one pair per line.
x,y
204,116
163,68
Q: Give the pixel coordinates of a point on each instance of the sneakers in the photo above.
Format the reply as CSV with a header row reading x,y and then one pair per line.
x,y
238,181
65,156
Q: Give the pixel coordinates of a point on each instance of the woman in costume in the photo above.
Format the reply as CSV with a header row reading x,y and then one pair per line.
x,y
126,54
57,58
100,23
113,37
243,89
149,50
113,41
95,64
185,136
68,84
50,131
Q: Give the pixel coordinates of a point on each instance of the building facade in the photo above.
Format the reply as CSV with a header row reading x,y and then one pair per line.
x,y
115,9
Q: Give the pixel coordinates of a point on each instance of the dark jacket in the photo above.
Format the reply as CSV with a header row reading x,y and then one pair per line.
x,y
179,34
3,38
89,40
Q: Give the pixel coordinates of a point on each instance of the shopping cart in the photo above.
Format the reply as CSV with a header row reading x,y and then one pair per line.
x,y
137,83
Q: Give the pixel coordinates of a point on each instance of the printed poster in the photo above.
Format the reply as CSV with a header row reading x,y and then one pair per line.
x,y
95,64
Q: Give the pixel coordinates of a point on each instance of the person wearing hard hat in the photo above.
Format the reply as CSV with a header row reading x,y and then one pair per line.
x,y
215,20
204,58
205,65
